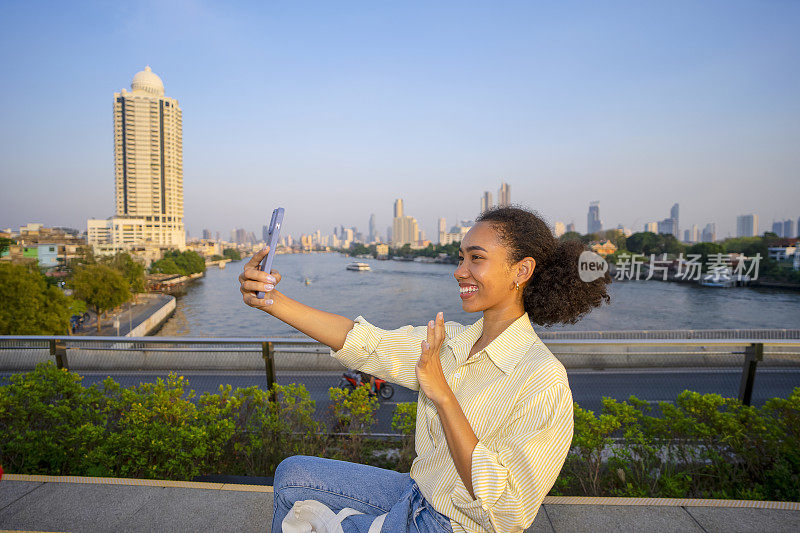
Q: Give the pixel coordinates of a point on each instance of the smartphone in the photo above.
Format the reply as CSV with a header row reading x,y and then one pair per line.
x,y
275,224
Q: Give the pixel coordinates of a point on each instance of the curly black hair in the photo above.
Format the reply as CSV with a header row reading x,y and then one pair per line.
x,y
555,294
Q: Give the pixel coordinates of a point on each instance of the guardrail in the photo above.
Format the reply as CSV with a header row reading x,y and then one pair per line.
x,y
679,348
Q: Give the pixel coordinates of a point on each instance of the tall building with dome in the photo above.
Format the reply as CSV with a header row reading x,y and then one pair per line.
x,y
148,163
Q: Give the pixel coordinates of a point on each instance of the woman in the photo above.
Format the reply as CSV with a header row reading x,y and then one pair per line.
x,y
494,415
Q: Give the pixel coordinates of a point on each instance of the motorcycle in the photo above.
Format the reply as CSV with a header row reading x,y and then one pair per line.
x,y
351,380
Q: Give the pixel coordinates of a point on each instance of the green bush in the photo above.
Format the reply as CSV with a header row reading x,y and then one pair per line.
x,y
702,446
353,412
404,420
49,422
265,432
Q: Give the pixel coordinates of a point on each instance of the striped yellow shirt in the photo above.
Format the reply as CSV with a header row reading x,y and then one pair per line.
x,y
516,397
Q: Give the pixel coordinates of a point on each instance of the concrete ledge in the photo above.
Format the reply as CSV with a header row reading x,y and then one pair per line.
x,y
72,503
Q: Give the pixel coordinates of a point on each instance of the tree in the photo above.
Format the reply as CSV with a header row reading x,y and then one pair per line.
x,y
183,263
571,236
645,242
165,266
30,306
101,287
616,237
705,249
232,254
5,243
131,270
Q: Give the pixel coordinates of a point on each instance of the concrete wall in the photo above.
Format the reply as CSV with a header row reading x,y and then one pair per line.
x,y
155,320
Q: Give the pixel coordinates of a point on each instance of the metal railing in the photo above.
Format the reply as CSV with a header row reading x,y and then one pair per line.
x,y
601,350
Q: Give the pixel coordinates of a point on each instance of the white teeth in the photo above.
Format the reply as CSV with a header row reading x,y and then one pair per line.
x,y
468,289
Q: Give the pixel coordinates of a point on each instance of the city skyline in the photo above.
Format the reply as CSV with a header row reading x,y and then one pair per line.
x,y
554,101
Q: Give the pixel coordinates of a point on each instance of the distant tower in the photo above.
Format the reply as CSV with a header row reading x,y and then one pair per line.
x,y
673,214
747,226
486,201
398,208
372,235
504,195
148,156
789,230
709,233
593,222
442,230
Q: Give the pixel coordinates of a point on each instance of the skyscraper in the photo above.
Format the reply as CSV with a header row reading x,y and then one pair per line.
x,y
486,201
747,225
593,222
789,230
710,232
373,236
503,195
405,230
442,230
148,161
673,214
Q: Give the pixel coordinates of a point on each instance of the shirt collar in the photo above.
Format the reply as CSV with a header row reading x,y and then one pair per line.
x,y
505,351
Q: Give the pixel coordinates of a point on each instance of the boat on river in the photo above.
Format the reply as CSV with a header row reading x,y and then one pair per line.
x,y
358,266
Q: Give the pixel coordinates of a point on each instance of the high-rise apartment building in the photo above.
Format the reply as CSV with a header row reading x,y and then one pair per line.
x,y
789,229
442,230
710,233
593,222
673,214
486,201
373,235
504,195
148,161
405,229
747,225
559,229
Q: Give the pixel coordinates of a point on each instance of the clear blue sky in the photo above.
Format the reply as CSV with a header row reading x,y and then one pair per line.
x,y
334,109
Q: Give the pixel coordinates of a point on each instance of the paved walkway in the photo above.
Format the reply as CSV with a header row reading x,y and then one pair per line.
x,y
48,503
130,315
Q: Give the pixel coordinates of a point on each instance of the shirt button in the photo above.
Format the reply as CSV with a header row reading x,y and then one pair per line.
x,y
456,376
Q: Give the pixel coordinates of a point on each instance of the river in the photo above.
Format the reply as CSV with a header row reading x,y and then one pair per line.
x,y
396,293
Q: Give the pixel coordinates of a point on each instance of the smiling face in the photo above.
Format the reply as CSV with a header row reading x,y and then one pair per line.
x,y
485,277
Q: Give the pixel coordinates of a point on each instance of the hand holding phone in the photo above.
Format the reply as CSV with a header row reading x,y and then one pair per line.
x,y
275,224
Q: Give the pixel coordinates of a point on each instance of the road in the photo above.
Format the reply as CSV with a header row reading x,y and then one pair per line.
x,y
588,386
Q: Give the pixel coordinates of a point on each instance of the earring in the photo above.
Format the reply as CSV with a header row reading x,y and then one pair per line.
x,y
516,285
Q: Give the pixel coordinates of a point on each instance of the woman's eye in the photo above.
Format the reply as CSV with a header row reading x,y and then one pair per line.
x,y
474,257
460,258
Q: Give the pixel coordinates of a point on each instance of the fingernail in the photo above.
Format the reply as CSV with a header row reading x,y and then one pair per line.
x,y
270,279
440,315
267,302
426,345
430,324
268,287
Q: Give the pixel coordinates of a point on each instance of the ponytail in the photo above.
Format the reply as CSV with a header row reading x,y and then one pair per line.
x,y
554,294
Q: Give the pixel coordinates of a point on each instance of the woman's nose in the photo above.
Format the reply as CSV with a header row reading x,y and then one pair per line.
x,y
461,272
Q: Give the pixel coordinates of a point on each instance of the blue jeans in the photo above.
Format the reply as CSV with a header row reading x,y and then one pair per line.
x,y
368,489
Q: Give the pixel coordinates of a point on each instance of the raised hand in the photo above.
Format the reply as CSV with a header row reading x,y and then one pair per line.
x,y
252,280
429,367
